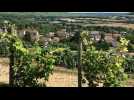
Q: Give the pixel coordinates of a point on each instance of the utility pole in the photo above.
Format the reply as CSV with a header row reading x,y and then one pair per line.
x,y
11,71
11,64
79,64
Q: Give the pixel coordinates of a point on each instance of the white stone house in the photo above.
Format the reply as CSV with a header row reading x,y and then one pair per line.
x,y
34,34
95,35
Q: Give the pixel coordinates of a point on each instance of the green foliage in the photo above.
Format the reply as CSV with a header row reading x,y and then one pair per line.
x,y
68,58
130,37
102,45
4,49
131,47
101,68
46,28
122,45
65,57
58,45
30,64
73,45
129,64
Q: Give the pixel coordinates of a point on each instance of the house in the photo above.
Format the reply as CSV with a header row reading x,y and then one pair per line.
x,y
116,36
109,37
112,38
95,35
50,34
44,40
1,30
34,34
55,39
62,34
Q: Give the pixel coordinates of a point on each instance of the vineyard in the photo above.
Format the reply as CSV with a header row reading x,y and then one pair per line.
x,y
30,62
66,58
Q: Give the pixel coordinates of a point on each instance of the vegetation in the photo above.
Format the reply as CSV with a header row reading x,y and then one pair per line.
x,y
102,45
4,51
131,43
129,64
29,66
102,64
67,58
103,68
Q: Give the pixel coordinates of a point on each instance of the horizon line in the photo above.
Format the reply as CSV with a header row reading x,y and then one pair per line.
x,y
98,12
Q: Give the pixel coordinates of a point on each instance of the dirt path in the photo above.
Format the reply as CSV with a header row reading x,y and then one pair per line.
x,y
63,77
4,71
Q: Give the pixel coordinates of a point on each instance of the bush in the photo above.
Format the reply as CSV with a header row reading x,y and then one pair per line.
x,y
58,45
102,45
130,37
129,64
131,47
73,45
67,58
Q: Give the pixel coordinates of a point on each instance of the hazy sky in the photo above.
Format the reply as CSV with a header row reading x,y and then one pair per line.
x,y
98,12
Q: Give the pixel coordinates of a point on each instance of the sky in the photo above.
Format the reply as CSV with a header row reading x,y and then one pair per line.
x,y
98,12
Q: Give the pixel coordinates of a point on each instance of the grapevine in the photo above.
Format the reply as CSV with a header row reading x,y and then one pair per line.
x,y
28,66
103,68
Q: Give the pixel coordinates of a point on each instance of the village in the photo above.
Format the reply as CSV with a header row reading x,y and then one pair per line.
x,y
57,55
55,37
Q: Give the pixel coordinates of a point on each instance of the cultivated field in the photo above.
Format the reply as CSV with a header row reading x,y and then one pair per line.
x,y
125,25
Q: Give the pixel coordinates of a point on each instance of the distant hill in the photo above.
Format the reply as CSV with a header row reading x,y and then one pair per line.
x,y
131,13
101,14
62,14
